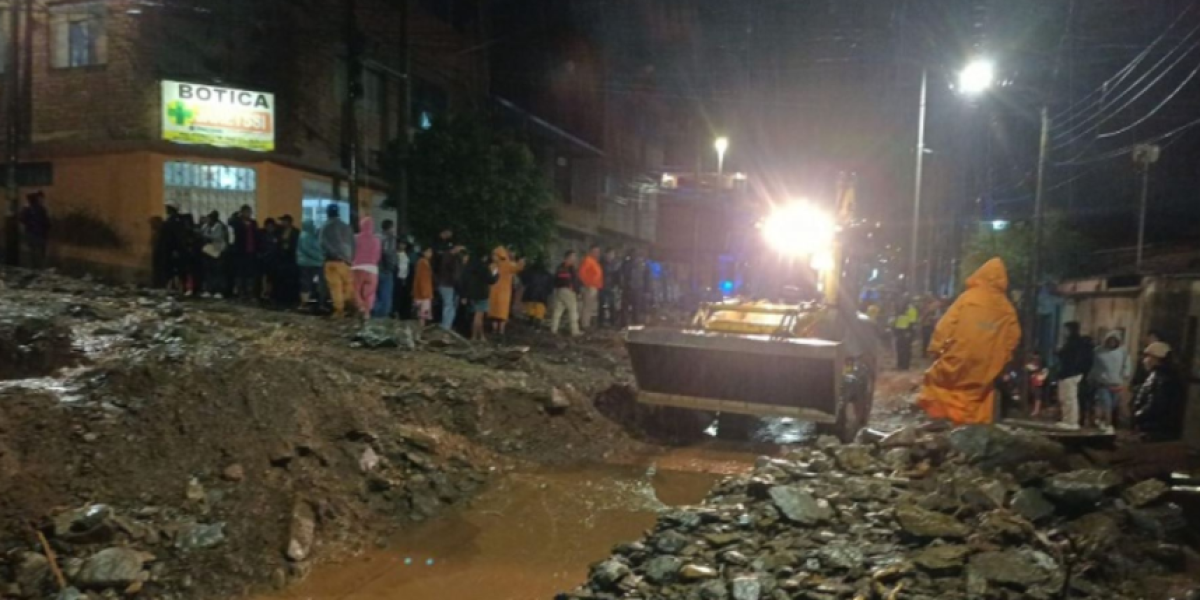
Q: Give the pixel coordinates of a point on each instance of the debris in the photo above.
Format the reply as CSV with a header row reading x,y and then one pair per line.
x,y
197,536
303,531
112,568
51,560
1080,489
1145,493
234,473
917,521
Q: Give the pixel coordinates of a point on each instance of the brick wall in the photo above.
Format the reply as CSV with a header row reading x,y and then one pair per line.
x,y
269,45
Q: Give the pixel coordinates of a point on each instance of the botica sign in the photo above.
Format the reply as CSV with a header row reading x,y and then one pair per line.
x,y
218,116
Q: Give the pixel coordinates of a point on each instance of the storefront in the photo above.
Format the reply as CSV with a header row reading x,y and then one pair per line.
x,y
106,207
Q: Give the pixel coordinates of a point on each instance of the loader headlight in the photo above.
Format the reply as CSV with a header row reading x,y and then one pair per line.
x,y
800,229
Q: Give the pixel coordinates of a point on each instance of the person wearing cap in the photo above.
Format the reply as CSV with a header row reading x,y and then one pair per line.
x,y
337,242
1110,371
1158,405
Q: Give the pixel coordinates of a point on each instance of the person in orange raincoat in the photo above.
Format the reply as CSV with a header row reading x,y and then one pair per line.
x,y
500,300
972,344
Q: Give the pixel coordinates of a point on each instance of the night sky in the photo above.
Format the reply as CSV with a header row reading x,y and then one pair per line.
x,y
807,88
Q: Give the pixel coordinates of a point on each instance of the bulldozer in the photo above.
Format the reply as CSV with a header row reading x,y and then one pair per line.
x,y
806,359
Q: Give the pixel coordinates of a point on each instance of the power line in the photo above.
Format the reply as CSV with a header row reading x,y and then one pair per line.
x,y
1127,149
1100,114
1123,73
1156,109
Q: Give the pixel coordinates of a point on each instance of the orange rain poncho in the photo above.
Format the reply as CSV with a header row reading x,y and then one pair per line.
x,y
972,343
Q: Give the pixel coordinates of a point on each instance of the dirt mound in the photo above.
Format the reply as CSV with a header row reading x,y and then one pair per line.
x,y
210,450
33,345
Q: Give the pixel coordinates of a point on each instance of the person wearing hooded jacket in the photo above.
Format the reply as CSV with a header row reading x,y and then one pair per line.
x,y
971,344
368,249
310,259
1111,368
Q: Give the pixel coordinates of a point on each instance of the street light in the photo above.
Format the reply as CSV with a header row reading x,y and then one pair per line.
x,y
974,79
721,144
977,77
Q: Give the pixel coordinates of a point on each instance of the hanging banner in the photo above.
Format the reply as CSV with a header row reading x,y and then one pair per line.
x,y
218,116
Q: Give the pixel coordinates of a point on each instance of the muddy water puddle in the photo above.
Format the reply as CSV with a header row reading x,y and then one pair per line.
x,y
530,535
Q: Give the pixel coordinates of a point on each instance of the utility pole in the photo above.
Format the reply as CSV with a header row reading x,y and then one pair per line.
x,y
354,92
1029,335
914,256
1144,155
405,125
13,99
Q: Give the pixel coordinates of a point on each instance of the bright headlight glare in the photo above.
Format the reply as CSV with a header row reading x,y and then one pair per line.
x,y
799,230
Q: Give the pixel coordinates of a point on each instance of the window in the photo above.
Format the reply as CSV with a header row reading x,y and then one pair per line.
x,y
78,36
199,189
318,195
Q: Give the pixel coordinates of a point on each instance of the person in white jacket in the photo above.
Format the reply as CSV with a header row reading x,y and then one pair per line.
x,y
1111,369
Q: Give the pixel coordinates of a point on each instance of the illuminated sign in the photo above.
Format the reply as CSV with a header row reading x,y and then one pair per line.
x,y
218,116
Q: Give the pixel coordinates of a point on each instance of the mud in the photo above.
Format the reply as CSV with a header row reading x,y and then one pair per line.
x,y
527,536
278,430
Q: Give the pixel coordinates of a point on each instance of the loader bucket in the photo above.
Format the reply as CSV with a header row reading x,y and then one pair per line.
x,y
734,373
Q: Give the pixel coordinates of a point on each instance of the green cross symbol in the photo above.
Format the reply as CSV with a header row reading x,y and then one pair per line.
x,y
178,112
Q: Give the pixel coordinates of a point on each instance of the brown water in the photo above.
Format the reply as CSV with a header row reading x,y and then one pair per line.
x,y
530,535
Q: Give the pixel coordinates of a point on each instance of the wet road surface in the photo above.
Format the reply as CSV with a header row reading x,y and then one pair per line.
x,y
530,535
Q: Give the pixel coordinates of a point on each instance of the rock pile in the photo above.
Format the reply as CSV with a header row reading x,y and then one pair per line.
x,y
978,513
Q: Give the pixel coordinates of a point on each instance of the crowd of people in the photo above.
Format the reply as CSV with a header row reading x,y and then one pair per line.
x,y
333,270
1101,386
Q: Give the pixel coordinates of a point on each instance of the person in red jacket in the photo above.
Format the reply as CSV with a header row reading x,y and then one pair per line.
x,y
591,278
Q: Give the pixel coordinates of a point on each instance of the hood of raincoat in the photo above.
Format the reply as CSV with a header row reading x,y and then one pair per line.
x,y
992,275
500,254
367,246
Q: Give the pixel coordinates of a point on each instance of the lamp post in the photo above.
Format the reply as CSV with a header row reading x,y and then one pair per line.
x,y
721,144
973,80
916,226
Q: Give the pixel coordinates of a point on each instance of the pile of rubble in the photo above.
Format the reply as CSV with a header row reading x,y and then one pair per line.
x,y
169,448
977,513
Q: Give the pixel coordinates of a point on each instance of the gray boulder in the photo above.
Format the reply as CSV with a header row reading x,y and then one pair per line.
x,y
1032,505
799,506
922,523
1080,489
112,568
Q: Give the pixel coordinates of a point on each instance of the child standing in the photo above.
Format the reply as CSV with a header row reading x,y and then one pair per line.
x,y
422,287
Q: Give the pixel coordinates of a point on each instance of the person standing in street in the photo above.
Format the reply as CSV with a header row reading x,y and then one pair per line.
x,y
422,287
388,265
566,284
309,260
287,277
36,221
244,253
402,306
636,290
216,242
1111,370
591,279
1074,362
449,270
337,244
611,292
971,346
501,295
907,319
478,279
368,251
1159,403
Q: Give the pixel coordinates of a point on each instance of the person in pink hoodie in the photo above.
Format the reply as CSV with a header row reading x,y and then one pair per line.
x,y
367,251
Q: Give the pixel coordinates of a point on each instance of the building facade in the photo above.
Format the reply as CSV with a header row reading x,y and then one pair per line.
x,y
128,106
